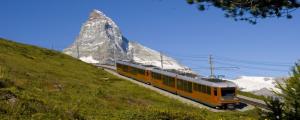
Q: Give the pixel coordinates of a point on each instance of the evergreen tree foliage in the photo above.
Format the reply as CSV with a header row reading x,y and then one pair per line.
x,y
250,10
276,107
288,107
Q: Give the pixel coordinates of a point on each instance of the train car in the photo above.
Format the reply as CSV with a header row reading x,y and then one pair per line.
x,y
212,92
135,71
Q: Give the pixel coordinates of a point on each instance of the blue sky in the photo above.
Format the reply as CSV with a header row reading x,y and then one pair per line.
x,y
177,29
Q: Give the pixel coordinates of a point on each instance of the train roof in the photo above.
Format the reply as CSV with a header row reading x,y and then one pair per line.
x,y
199,80
208,81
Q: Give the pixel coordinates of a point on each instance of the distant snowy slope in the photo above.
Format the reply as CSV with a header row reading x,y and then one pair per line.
x,y
145,55
258,85
88,59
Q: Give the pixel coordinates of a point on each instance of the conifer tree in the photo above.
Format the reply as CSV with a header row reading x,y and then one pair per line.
x,y
288,107
276,107
250,10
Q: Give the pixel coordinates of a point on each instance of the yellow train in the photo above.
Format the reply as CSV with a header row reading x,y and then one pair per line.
x,y
212,92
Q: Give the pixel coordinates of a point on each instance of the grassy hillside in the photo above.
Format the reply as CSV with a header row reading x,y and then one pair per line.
x,y
251,95
36,83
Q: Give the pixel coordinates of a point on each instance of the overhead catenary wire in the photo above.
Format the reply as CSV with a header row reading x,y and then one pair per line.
x,y
233,66
161,60
176,55
262,63
234,60
201,67
251,67
230,63
238,63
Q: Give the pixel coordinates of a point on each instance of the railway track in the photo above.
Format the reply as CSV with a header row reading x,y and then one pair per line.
x,y
252,101
245,100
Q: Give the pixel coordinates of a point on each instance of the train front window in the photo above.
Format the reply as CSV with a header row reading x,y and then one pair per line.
x,y
227,92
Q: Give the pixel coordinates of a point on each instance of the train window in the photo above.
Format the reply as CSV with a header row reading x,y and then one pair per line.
x,y
179,84
156,76
195,87
215,91
189,87
227,92
169,81
184,85
208,90
200,88
137,71
164,79
172,82
203,88
133,71
141,71
125,68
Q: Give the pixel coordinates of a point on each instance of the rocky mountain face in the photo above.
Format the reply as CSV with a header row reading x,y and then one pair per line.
x,y
100,41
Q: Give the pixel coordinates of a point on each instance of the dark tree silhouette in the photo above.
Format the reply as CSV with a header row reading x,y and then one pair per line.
x,y
250,10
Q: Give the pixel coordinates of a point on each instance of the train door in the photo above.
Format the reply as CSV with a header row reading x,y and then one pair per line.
x,y
215,94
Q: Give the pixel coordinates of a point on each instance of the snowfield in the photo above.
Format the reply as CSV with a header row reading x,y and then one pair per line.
x,y
258,85
147,56
88,59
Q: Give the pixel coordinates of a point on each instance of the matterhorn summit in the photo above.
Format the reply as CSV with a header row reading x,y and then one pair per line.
x,y
99,38
100,41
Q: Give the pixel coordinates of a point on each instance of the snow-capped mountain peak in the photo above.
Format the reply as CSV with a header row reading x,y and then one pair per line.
x,y
99,38
100,41
96,14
